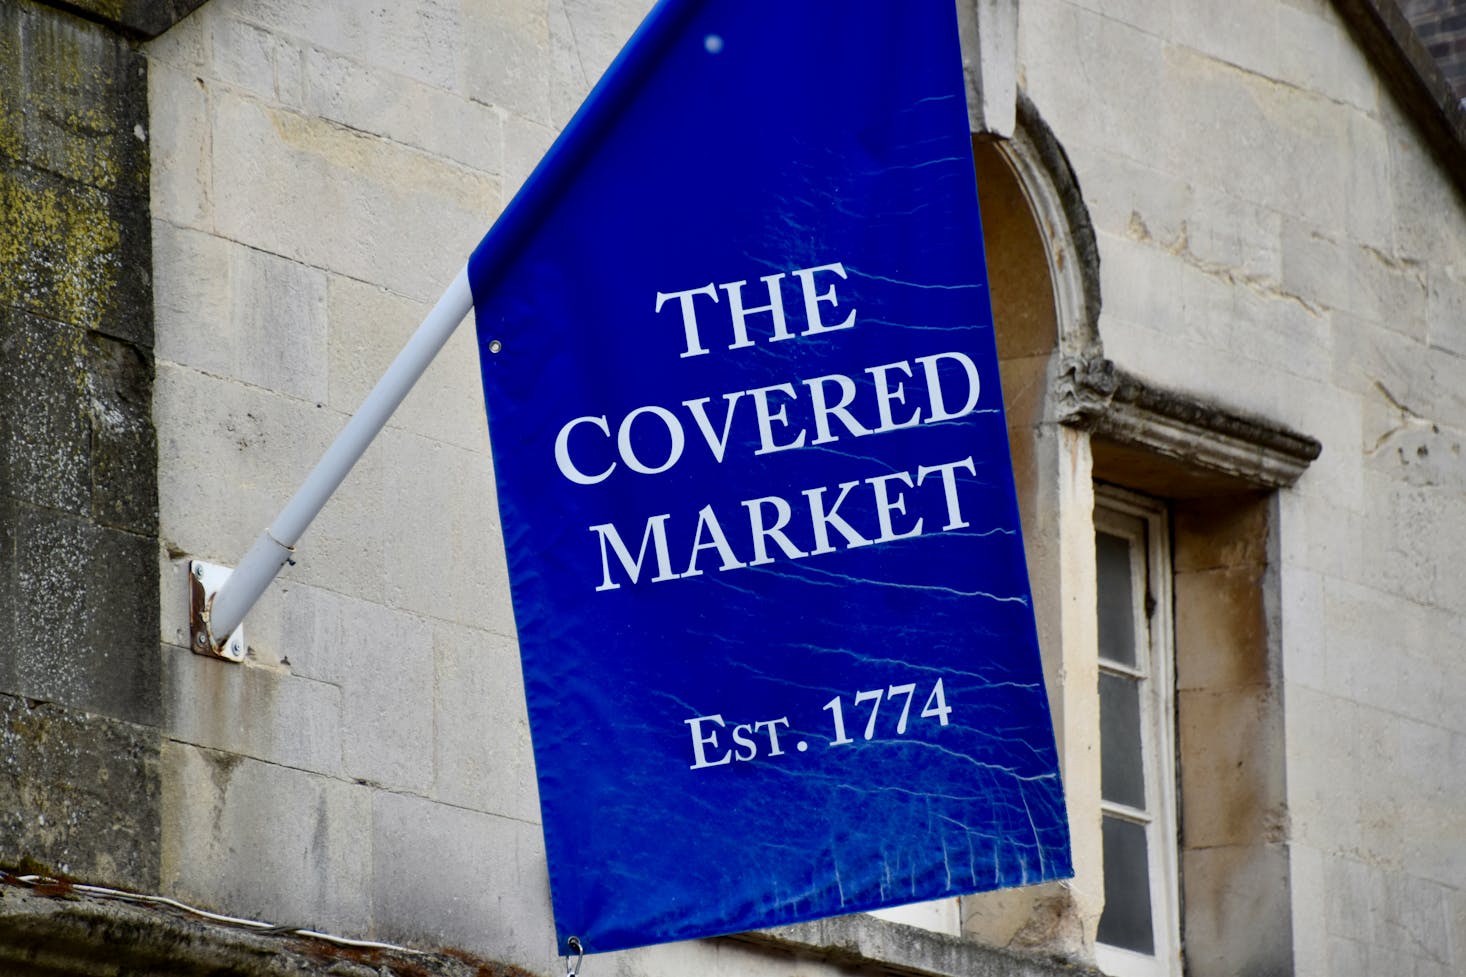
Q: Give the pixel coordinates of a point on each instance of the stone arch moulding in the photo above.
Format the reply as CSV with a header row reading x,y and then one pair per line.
x,y
1052,192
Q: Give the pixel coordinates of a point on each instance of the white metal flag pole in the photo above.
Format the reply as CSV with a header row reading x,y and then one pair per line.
x,y
218,610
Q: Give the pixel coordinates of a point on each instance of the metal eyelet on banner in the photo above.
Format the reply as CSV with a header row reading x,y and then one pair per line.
x,y
573,969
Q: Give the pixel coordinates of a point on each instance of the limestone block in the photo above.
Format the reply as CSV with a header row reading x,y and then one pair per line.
x,y
243,55
1139,282
1228,129
1311,259
988,34
1131,198
1408,916
509,65
1137,13
1234,238
432,119
1225,128
483,756
123,447
1210,537
369,327
1330,538
1448,373
343,200
1349,886
233,311
252,711
1400,539
1368,209
307,838
46,456
1246,928
230,457
74,254
1336,418
1445,308
65,640
584,37
1278,332
1232,781
525,143
1431,680
182,166
183,47
1323,771
1428,214
78,794
1306,886
445,555
1244,34
1302,631
1383,367
83,124
1363,620
1316,52
446,876
423,41
1066,55
381,661
1351,956
1224,628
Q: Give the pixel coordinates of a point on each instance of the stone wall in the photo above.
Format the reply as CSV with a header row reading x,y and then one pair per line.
x,y
79,679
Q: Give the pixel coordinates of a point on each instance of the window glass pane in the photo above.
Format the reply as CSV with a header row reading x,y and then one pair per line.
x,y
1122,775
1125,921
1116,600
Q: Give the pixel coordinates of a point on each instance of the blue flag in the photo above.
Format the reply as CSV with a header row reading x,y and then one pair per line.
x,y
753,472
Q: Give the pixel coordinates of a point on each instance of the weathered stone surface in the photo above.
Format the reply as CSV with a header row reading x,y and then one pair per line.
x,y
78,794
74,253
464,881
253,711
79,683
63,931
84,115
76,407
312,830
72,642
845,941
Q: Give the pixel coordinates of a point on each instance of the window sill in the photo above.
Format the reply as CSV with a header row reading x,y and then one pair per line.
x,y
894,948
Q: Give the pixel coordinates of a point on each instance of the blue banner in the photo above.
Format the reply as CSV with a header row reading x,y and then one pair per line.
x,y
755,486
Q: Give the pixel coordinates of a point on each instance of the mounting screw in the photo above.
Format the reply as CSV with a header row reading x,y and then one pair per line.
x,y
201,639
198,570
235,650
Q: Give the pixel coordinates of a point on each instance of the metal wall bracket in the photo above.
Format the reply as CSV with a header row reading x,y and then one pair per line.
x,y
204,583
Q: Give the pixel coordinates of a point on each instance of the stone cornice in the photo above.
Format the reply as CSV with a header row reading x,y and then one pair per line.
x,y
1097,396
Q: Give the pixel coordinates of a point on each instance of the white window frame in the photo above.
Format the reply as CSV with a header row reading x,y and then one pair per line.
x,y
1144,523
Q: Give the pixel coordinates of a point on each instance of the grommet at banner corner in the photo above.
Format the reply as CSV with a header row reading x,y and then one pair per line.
x,y
495,345
573,969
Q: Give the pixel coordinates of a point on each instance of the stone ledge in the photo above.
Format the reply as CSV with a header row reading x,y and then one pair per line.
x,y
1220,445
865,942
55,930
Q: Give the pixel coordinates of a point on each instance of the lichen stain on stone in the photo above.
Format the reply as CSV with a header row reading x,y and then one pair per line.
x,y
61,251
